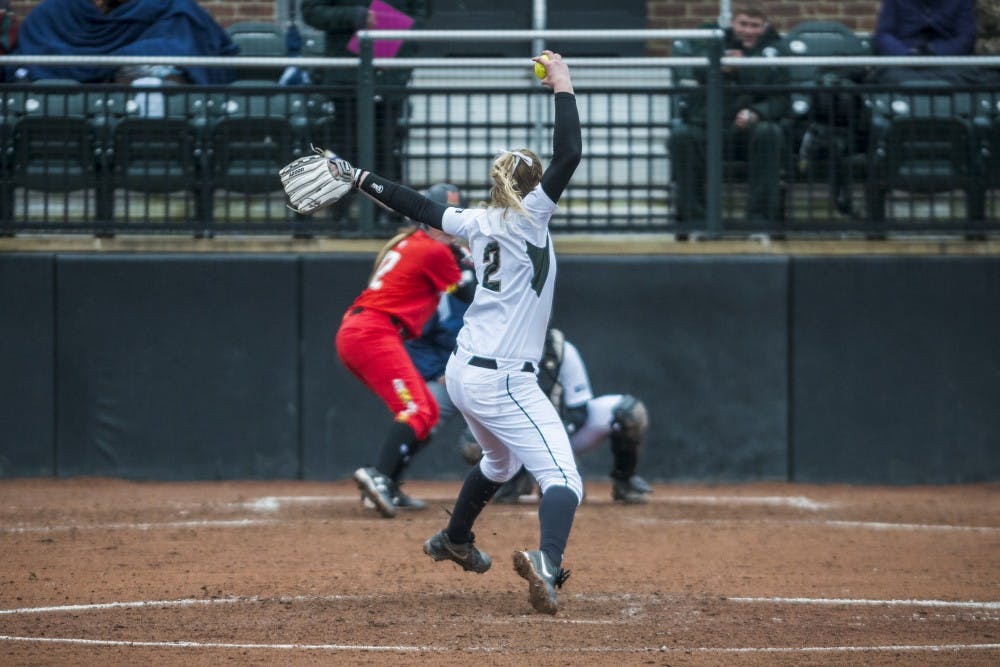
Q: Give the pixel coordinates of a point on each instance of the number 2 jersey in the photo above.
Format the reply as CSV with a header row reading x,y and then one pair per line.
x,y
409,281
515,270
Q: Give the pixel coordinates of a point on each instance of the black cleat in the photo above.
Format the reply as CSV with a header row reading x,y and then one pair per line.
x,y
399,499
542,577
440,547
377,488
631,491
405,502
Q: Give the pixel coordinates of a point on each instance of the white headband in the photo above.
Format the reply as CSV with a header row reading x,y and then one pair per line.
x,y
518,157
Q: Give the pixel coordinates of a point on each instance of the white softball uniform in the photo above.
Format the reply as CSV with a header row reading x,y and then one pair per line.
x,y
491,377
576,392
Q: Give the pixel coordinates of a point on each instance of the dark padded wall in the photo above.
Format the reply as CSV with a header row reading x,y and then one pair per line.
x,y
223,366
178,367
702,341
342,421
27,389
897,370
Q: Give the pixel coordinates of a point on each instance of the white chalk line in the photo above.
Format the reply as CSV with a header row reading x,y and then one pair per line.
x,y
253,522
98,606
224,645
237,599
970,604
150,525
832,523
272,504
624,597
190,602
532,619
910,648
797,502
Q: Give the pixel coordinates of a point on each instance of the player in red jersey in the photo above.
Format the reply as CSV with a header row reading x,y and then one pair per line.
x,y
411,272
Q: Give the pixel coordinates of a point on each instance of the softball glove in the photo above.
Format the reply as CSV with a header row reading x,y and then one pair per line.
x,y
316,181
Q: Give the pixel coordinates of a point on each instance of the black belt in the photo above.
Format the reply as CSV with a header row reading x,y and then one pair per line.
x,y
483,362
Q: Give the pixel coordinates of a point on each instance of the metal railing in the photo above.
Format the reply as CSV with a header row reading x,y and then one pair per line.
x,y
108,159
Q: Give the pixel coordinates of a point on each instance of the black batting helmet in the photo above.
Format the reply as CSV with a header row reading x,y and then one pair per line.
x,y
445,194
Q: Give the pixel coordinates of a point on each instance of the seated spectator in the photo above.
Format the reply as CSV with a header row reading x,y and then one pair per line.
x,y
750,123
340,20
988,27
122,28
987,39
10,24
924,28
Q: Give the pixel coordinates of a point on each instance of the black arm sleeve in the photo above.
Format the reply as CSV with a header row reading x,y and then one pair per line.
x,y
403,200
567,146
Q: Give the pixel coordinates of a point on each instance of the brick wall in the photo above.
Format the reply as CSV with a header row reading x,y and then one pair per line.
x,y
859,14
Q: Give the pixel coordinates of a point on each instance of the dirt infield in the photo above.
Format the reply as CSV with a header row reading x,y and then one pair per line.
x,y
120,573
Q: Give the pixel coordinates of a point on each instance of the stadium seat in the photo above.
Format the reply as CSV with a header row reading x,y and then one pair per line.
x,y
821,39
259,39
829,132
255,128
924,141
55,146
159,152
313,44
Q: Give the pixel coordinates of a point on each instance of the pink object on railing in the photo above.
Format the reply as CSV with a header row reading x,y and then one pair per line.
x,y
387,17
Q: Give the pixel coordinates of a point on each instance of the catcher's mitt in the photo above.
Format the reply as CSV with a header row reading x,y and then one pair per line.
x,y
316,181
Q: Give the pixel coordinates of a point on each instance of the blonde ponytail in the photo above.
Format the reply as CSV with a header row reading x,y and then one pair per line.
x,y
514,174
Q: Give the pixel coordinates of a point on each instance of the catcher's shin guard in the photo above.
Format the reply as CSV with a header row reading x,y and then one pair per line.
x,y
631,421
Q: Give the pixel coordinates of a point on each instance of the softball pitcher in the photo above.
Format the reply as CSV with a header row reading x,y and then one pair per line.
x,y
491,377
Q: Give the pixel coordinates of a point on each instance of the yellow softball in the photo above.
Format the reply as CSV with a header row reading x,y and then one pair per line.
x,y
540,68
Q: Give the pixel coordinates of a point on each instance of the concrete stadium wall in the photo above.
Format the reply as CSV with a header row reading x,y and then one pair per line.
x,y
221,366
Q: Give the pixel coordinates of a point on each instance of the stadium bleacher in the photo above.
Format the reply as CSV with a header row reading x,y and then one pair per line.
x,y
89,156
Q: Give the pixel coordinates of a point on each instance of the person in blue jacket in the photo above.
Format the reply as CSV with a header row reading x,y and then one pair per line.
x,y
924,28
122,28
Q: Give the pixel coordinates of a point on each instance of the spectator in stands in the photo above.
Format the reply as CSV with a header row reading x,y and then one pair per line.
x,y
751,123
10,24
988,39
123,28
340,19
988,27
924,28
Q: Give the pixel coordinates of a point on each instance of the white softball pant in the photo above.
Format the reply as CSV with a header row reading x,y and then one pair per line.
x,y
515,423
